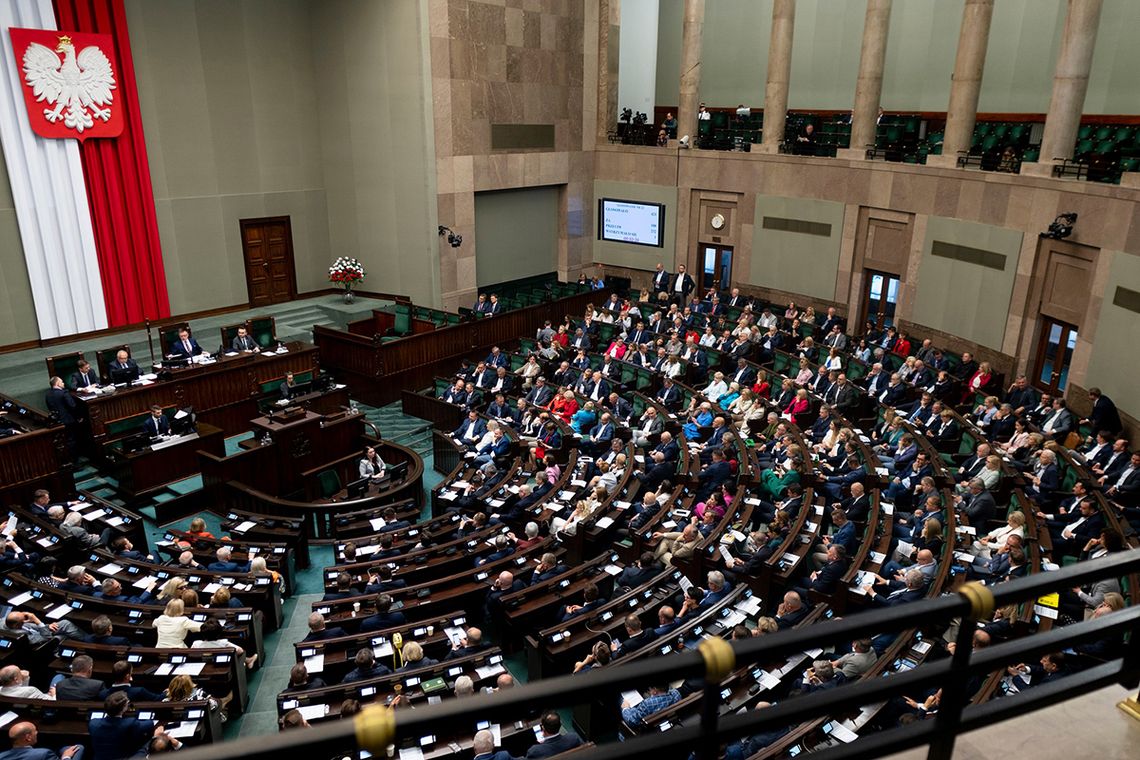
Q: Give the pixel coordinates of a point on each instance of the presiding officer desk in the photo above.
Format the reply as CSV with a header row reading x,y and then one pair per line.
x,y
224,393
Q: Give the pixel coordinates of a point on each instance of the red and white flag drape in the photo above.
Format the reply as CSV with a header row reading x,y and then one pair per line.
x,y
73,143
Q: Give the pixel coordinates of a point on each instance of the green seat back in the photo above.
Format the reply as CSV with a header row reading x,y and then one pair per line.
x,y
65,365
526,345
329,483
1102,132
104,357
228,335
403,323
263,330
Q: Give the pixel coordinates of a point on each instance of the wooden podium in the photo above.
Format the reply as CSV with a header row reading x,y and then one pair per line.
x,y
304,441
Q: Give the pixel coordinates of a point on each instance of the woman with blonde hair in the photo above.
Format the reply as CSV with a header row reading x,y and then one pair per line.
x,y
804,376
172,589
569,526
183,689
996,538
173,626
222,599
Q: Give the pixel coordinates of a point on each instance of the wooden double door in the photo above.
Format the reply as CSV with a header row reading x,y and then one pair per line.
x,y
267,246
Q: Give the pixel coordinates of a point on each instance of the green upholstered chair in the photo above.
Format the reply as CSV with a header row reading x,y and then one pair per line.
x,y
64,365
329,483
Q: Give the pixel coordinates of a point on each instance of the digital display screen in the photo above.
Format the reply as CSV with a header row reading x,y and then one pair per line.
x,y
631,222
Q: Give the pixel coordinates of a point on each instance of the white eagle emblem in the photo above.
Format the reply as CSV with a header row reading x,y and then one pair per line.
x,y
78,83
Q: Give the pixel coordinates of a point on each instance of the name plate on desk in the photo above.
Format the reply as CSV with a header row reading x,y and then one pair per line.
x,y
172,441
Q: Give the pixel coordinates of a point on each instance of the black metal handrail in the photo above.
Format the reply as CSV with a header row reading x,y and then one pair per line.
x,y
377,726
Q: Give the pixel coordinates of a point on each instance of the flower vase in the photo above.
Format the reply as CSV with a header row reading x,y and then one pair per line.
x,y
348,296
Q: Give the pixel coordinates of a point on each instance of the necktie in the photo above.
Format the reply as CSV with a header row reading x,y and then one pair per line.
x,y
186,345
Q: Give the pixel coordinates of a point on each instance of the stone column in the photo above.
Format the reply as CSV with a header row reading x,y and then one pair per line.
x,y
966,83
609,51
690,70
869,86
779,74
1070,83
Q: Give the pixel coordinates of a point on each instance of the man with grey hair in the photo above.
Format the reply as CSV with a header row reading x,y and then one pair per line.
x,y
484,747
225,564
79,581
72,528
821,677
914,590
464,686
531,532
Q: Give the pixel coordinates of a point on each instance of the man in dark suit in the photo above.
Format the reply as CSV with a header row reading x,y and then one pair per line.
x,y
60,404
79,686
668,447
842,395
242,341
318,631
914,590
456,394
470,431
185,347
657,473
470,643
715,475
1104,415
541,394
122,675
384,617
343,590
289,387
621,409
118,735
224,564
681,286
636,637
669,396
661,280
1125,487
546,569
743,375
506,583
858,507
23,737
484,747
156,424
634,575
123,368
591,600
977,505
84,377
791,611
380,580
552,741
102,632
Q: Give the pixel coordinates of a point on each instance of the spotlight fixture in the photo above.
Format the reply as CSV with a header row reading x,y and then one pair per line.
x,y
684,142
1061,227
453,240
